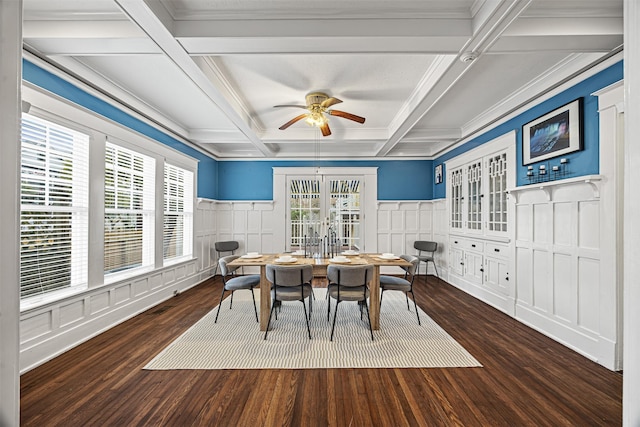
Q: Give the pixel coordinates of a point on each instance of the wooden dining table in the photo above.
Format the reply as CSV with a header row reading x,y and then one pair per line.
x,y
319,270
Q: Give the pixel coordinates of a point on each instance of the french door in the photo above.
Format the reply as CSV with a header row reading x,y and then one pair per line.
x,y
324,207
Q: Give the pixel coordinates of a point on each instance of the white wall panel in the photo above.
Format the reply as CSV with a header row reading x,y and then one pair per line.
x,y
541,223
35,326
563,220
588,293
98,302
541,283
139,287
412,222
564,292
524,276
71,313
122,294
589,220
523,222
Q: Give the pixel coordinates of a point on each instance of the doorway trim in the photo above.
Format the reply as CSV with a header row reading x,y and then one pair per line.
x,y
369,199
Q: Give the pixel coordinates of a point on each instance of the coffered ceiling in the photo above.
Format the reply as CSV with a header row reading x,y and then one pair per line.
x,y
211,71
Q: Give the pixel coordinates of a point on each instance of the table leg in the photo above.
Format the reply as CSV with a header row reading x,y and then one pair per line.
x,y
265,298
374,298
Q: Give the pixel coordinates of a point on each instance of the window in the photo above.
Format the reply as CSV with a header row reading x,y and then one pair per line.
x,y
178,212
129,184
53,208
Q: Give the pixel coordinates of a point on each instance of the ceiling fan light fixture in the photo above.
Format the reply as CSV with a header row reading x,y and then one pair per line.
x,y
316,119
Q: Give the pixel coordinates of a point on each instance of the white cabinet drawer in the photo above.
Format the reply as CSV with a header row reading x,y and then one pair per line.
x,y
497,250
473,245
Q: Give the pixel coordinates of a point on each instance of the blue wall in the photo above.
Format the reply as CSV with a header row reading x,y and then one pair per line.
x,y
585,162
397,179
207,169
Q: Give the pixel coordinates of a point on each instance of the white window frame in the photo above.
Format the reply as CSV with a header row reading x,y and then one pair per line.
x,y
79,210
148,194
50,107
186,210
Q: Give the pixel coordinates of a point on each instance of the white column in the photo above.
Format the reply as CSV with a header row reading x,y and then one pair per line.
x,y
631,382
10,81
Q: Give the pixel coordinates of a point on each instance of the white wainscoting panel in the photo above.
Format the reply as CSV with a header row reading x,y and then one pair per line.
x,y
558,259
400,223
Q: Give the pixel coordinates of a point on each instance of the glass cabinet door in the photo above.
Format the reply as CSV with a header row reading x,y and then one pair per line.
x,y
497,177
456,199
474,193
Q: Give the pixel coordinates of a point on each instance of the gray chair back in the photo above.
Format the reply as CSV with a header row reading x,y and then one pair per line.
x,y
426,246
289,275
225,270
414,260
228,246
349,275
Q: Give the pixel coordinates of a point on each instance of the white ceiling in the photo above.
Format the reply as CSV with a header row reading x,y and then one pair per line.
x,y
211,71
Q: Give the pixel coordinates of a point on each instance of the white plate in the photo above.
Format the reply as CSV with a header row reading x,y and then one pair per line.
x,y
298,253
250,256
340,261
350,253
389,257
286,261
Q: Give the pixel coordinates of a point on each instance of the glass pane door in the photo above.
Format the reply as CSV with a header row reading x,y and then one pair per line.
x,y
344,212
305,219
324,213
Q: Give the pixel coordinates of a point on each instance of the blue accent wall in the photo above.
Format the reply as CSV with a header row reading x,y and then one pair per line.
x,y
584,162
397,179
207,168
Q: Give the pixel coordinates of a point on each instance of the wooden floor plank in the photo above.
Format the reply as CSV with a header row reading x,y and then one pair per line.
x,y
526,379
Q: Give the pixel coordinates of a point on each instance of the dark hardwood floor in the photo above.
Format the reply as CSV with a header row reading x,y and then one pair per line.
x,y
527,379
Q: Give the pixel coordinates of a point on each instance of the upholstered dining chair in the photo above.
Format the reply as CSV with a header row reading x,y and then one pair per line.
x,y
229,246
236,283
429,249
404,284
348,283
290,283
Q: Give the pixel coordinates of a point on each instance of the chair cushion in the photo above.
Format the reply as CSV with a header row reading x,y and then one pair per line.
x,y
425,258
348,293
393,283
242,282
290,293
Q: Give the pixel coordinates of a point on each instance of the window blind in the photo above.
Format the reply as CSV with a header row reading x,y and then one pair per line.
x,y
53,207
178,212
129,209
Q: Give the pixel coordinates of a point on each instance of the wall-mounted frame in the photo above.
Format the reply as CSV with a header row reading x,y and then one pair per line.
x,y
556,133
438,173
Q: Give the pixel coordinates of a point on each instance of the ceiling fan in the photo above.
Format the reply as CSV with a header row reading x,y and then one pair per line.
x,y
318,104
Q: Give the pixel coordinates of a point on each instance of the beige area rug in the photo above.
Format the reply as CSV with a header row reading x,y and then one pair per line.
x,y
235,342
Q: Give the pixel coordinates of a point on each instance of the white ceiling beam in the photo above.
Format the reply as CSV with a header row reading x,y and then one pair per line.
x,y
490,20
323,36
156,24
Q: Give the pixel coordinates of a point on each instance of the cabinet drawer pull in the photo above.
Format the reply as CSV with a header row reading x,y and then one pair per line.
x,y
462,263
506,278
497,250
473,246
455,241
482,270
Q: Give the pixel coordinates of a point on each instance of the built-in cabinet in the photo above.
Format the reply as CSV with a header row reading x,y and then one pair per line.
x,y
480,221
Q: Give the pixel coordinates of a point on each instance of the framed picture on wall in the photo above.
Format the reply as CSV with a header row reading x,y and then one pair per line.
x,y
439,173
554,134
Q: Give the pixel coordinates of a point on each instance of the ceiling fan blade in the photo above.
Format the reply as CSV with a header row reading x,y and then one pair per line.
x,y
346,115
325,129
329,102
292,121
290,105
